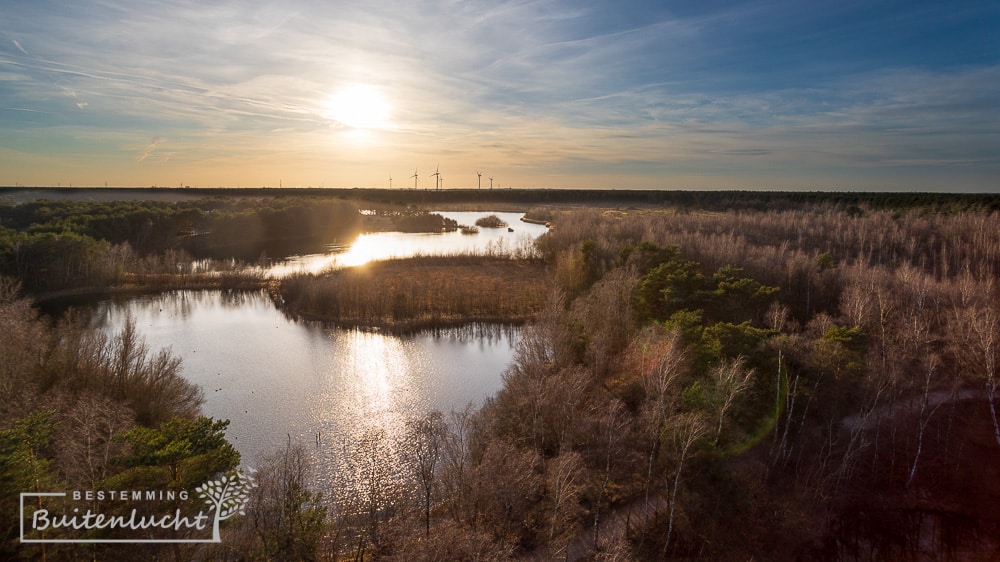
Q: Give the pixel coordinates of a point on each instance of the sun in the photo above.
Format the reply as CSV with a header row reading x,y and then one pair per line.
x,y
359,106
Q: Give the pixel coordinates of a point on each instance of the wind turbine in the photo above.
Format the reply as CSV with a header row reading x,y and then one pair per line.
x,y
437,177
414,176
390,182
479,181
491,182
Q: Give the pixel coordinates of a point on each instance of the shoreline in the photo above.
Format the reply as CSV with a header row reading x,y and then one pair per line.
x,y
406,326
57,301
141,288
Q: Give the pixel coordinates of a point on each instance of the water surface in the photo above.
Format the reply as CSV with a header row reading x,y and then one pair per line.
x,y
280,380
277,379
384,245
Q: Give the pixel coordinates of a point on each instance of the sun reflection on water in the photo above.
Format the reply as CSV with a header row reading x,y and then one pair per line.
x,y
375,246
371,391
377,363
332,391
369,248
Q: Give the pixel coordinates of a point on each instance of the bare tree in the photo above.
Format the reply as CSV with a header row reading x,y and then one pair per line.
x,y
425,441
608,317
662,360
23,342
368,462
87,444
685,430
150,383
564,474
731,379
127,352
543,347
456,476
287,519
10,289
562,401
507,489
927,409
978,323
611,423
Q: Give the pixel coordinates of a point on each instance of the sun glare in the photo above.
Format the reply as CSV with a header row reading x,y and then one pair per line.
x,y
359,106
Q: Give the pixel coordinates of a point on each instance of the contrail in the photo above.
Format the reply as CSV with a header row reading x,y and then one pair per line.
x,y
19,47
149,149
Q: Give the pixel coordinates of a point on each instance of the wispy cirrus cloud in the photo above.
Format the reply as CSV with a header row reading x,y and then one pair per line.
x,y
17,44
745,93
148,150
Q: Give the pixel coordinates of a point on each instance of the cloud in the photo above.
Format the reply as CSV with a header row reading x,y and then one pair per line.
x,y
17,44
527,86
148,150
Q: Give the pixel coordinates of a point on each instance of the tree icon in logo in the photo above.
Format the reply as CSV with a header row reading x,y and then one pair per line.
x,y
228,494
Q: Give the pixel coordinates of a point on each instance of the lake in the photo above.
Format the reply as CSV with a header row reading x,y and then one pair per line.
x,y
280,380
385,245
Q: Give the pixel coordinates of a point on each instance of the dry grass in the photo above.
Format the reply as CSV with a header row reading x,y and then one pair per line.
x,y
421,293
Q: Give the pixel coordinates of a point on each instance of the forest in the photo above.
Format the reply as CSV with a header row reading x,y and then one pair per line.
x,y
53,245
809,380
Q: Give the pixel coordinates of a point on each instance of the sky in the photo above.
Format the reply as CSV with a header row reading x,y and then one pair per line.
x,y
788,95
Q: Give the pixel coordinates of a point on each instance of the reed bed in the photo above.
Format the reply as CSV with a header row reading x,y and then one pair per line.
x,y
420,293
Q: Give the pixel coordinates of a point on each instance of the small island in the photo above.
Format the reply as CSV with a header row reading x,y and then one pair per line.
x,y
491,221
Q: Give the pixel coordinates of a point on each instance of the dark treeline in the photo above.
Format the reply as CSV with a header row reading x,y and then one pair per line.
x,y
61,244
155,226
708,200
57,244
